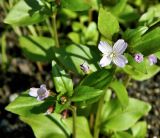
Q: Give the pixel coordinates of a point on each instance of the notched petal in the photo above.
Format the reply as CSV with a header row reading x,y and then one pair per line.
x,y
120,46
120,61
105,61
104,47
33,92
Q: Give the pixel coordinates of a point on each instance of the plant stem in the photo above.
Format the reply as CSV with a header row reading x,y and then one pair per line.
x,y
50,27
98,115
73,109
3,49
55,30
127,80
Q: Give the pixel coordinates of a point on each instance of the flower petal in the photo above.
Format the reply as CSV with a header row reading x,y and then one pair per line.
x,y
152,59
106,60
120,46
120,60
33,92
105,48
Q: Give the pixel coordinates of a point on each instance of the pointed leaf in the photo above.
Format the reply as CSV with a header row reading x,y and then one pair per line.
x,y
107,23
83,93
27,12
99,79
37,48
26,105
49,126
119,119
62,81
121,92
73,56
76,5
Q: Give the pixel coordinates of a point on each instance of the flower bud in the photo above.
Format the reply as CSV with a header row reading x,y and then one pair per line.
x,y
49,110
63,100
152,59
138,57
85,68
64,114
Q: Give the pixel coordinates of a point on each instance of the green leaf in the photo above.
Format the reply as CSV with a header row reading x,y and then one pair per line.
x,y
107,23
139,130
82,127
132,35
73,56
49,126
140,67
149,43
151,16
139,75
62,81
27,12
25,105
157,54
99,79
83,93
76,5
61,107
121,92
122,134
129,15
119,7
116,118
74,37
37,48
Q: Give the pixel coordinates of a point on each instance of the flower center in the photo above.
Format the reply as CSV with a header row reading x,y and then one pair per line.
x,y
113,54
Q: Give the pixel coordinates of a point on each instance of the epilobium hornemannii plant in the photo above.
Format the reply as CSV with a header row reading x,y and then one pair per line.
x,y
83,91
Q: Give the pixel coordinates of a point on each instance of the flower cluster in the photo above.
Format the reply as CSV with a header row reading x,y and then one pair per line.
x,y
115,54
151,58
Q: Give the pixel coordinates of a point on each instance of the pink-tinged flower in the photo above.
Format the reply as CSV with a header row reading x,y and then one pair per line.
x,y
138,57
41,93
152,59
113,54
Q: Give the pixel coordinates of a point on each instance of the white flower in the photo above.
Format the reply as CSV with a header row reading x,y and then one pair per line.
x,y
113,54
41,93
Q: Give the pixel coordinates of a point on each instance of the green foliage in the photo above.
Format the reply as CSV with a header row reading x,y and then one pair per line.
x,y
115,118
107,23
47,126
73,56
82,127
25,105
141,71
99,79
121,92
83,93
76,5
27,12
37,48
139,129
62,81
148,43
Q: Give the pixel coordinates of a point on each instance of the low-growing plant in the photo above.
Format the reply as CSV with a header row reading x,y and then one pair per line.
x,y
103,44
